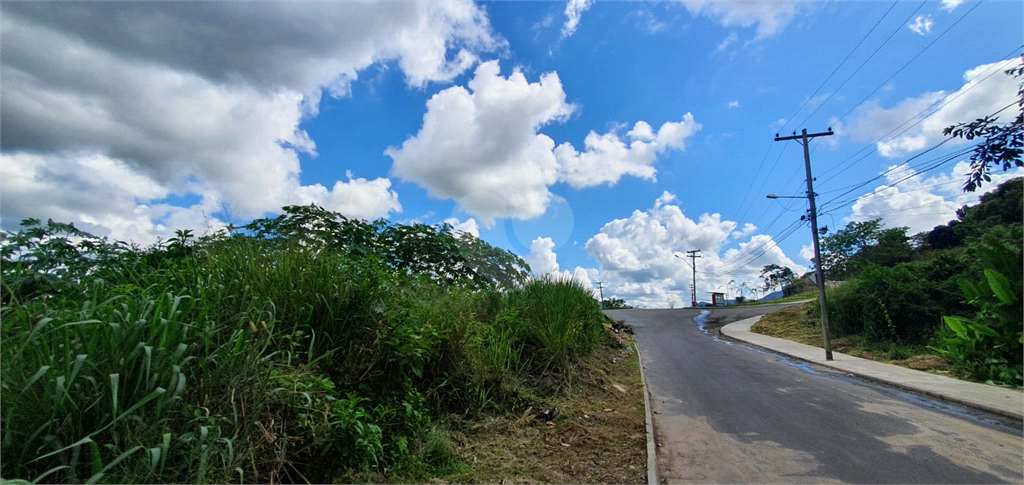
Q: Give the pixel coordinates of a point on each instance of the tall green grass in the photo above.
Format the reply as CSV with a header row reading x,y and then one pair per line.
x,y
560,319
240,359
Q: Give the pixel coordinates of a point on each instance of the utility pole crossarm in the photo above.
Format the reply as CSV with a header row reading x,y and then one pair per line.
x,y
804,135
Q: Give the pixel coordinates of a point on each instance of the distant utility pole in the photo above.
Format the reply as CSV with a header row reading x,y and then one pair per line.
x,y
693,255
804,139
601,289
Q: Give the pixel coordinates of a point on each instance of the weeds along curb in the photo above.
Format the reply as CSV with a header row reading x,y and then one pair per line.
x,y
652,458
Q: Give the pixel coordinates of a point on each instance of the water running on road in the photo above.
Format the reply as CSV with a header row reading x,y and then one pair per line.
x,y
981,418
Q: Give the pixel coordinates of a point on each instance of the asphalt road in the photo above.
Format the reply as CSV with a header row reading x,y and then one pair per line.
x,y
727,413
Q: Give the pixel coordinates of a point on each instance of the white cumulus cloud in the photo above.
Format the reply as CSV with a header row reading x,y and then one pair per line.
x,y
468,226
949,5
919,202
606,158
769,17
917,123
358,197
637,255
542,258
480,146
203,99
543,263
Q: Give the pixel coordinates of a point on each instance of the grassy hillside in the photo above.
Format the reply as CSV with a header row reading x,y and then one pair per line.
x,y
308,347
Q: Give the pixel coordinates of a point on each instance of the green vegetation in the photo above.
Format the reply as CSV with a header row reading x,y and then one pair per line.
x,y
954,291
306,347
615,304
802,323
775,276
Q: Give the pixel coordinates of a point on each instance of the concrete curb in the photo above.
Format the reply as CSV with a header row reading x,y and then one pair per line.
x,y
652,457
970,394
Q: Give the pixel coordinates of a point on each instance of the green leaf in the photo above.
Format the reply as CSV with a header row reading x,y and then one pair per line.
x,y
982,329
35,377
1000,286
95,478
971,292
956,324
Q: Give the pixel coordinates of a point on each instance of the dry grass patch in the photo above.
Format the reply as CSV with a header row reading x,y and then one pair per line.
x,y
797,323
598,437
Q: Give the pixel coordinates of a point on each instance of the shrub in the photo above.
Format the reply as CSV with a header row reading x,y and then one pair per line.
x,y
988,346
885,304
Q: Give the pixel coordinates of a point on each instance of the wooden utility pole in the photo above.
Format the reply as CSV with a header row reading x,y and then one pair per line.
x,y
804,139
693,255
601,289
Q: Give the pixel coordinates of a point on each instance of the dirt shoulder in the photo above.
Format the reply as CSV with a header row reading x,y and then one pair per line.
x,y
598,436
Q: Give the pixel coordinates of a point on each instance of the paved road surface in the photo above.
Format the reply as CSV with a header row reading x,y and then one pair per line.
x,y
726,413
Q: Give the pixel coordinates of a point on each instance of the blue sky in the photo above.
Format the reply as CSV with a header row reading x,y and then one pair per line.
x,y
596,140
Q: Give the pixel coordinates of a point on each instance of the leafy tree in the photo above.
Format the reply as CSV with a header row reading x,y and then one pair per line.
x,y
51,258
860,244
431,251
1003,142
799,285
775,276
615,304
999,207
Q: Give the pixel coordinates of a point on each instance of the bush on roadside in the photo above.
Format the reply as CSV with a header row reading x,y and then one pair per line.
x,y
990,345
886,304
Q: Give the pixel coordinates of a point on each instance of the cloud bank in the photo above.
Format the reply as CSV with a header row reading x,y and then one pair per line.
x,y
200,100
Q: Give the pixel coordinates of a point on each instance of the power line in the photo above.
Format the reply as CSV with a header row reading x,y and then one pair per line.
x,y
790,117
905,64
757,252
947,100
836,203
886,41
945,158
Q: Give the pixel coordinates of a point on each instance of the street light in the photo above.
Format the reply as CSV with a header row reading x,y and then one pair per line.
x,y
818,273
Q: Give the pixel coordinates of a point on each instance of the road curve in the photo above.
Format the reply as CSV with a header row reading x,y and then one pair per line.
x,y
727,413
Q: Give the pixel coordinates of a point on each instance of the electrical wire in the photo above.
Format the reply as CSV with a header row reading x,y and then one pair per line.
x,y
905,64
789,119
947,100
886,41
862,39
836,202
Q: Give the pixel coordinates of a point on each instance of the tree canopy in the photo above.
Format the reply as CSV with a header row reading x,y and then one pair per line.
x,y
433,251
1002,206
775,276
848,250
